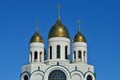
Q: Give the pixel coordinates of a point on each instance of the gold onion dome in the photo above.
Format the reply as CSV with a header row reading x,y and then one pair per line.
x,y
36,37
58,30
79,37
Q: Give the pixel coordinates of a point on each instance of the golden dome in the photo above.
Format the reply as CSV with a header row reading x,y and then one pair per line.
x,y
58,30
79,37
36,38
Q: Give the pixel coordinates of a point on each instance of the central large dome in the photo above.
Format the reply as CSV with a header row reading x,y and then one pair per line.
x,y
58,30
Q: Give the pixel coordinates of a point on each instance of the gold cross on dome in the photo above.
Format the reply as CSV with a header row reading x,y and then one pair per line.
x,y
79,25
36,25
58,10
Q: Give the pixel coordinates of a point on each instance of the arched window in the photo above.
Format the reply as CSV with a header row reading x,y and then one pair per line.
x,y
38,67
89,77
74,56
40,56
31,56
45,55
79,54
66,52
84,54
58,51
57,75
25,77
50,52
35,55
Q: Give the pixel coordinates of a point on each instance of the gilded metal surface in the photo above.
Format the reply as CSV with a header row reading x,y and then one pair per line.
x,y
58,30
79,37
36,38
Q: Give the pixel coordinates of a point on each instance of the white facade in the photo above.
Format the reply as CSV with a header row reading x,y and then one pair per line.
x,y
62,42
57,66
36,50
80,51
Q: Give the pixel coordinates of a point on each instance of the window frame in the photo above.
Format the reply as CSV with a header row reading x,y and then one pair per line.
x,y
50,52
58,51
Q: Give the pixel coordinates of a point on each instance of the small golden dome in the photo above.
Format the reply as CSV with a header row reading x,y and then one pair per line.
x,y
58,30
79,37
36,38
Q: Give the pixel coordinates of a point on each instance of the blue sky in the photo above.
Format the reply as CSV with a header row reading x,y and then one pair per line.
x,y
100,23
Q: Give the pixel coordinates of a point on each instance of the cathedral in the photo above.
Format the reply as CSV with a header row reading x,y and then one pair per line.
x,y
54,63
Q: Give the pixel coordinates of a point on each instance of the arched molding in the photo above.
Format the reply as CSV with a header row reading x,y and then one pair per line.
x,y
77,72
62,68
91,74
23,74
36,73
57,74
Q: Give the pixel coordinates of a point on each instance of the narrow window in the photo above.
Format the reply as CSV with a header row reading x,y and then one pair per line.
x,y
79,54
45,55
58,51
66,52
31,56
25,77
50,52
76,68
74,56
84,54
35,55
40,56
38,67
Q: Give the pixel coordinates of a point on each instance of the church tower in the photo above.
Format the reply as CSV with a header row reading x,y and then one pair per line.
x,y
79,46
58,42
58,65
36,54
